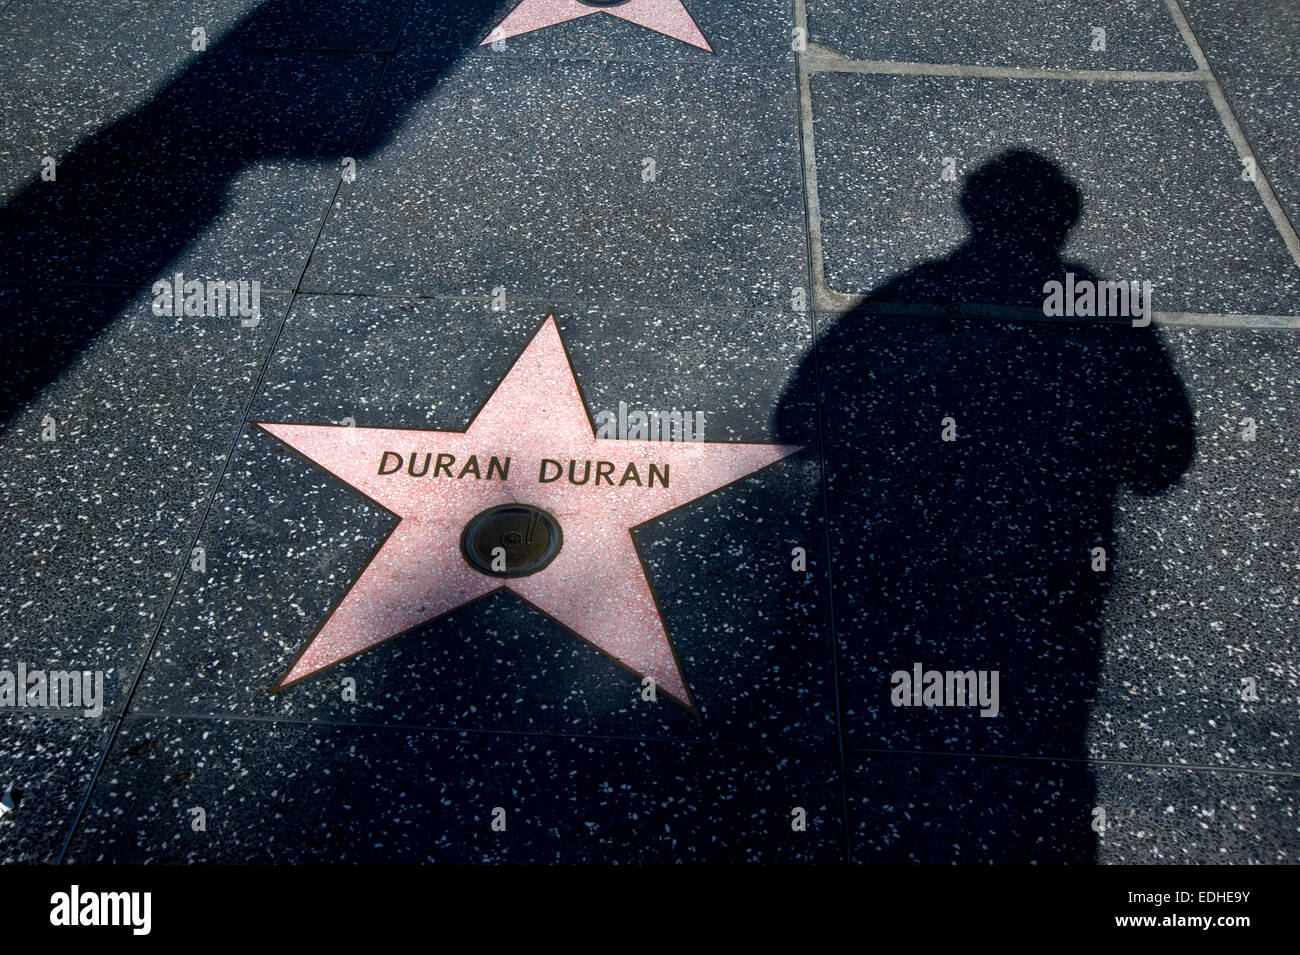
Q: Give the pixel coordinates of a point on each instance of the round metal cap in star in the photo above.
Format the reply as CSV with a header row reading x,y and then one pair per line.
x,y
511,540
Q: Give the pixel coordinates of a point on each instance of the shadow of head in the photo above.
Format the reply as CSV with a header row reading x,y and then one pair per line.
x,y
1021,198
1019,209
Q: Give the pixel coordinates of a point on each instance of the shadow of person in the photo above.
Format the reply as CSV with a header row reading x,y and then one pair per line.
x,y
134,196
984,552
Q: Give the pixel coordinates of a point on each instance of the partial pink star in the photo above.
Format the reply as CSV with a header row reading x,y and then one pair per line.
x,y
669,17
596,586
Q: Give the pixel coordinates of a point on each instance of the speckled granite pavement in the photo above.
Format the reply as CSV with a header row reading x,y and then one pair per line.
x,y
832,231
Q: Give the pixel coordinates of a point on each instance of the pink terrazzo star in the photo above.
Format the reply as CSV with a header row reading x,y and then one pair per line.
x,y
435,482
663,16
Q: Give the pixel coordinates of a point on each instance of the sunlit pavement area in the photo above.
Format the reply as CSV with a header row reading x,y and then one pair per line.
x,y
823,231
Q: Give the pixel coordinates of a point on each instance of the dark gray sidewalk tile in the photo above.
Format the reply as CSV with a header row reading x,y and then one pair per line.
x,y
75,67
1188,817
46,762
52,102
1204,602
361,25
1012,33
287,793
907,808
980,553
581,181
285,539
1268,109
910,809
230,165
139,411
5,6
1153,176
133,28
1247,38
81,30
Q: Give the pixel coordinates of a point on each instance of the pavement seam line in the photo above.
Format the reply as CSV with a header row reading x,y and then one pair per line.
x,y
820,63
822,296
1025,314
665,740
812,222
1236,133
121,716
828,299
116,725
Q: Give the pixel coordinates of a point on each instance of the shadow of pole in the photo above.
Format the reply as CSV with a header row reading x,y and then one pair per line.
x,y
132,197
